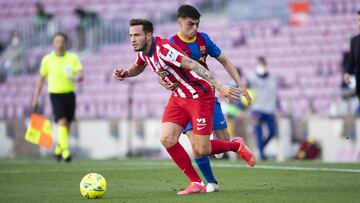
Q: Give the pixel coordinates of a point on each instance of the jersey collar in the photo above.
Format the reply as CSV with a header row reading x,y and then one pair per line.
x,y
186,40
54,54
152,48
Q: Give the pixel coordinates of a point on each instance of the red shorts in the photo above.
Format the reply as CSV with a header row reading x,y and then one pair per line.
x,y
199,111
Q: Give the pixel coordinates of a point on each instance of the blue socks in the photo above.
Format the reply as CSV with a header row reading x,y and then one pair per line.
x,y
205,168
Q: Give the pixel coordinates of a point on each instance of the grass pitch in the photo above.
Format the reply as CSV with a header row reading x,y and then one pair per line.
x,y
142,180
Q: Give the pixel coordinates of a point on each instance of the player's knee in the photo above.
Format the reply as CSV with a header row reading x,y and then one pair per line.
x,y
202,150
193,146
195,150
222,134
167,141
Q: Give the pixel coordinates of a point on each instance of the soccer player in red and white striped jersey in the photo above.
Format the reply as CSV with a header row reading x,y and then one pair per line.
x,y
192,101
165,60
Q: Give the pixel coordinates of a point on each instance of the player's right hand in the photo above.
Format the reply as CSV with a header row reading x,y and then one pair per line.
x,y
120,74
168,85
172,86
347,78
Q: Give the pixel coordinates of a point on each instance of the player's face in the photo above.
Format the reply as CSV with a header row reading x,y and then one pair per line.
x,y
188,27
138,37
59,43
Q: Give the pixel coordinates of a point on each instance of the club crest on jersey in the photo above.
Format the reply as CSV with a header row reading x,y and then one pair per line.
x,y
163,73
203,50
171,55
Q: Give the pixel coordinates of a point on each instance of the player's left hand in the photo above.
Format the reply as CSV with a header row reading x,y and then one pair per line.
x,y
231,93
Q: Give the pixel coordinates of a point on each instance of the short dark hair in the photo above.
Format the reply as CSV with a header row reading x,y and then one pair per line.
x,y
61,34
188,11
262,60
147,25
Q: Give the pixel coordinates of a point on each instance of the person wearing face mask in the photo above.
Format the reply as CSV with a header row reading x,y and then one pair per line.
x,y
14,56
265,88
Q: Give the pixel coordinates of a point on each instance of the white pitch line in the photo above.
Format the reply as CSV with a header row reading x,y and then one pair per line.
x,y
294,168
270,167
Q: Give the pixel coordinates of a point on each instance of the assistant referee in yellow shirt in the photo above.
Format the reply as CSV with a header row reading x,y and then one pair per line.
x,y
62,69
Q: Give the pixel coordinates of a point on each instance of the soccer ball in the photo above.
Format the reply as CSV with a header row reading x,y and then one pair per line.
x,y
93,186
243,99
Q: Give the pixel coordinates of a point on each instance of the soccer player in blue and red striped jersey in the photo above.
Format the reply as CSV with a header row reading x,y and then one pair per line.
x,y
193,100
198,46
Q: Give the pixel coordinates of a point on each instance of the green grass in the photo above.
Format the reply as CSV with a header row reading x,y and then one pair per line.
x,y
24,180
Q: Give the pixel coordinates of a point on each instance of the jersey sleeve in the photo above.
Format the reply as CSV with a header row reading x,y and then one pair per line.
x,y
139,60
170,55
44,67
77,64
171,39
212,49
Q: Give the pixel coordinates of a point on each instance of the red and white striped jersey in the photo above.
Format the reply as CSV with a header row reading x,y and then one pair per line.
x,y
165,59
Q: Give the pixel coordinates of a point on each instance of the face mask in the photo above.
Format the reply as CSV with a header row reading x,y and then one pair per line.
x,y
260,70
15,41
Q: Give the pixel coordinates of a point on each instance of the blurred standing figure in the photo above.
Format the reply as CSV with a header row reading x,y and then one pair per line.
x,y
263,109
41,17
45,27
14,56
86,29
62,69
354,60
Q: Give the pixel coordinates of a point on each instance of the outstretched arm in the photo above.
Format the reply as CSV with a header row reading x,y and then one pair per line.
x,y
230,68
133,70
225,90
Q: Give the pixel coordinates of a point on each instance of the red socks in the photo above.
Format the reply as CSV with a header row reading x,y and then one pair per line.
x,y
220,146
183,161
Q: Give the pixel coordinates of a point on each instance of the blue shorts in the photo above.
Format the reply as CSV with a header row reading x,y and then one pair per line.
x,y
219,119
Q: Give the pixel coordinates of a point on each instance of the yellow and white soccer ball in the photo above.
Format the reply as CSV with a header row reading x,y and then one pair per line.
x,y
252,96
93,186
